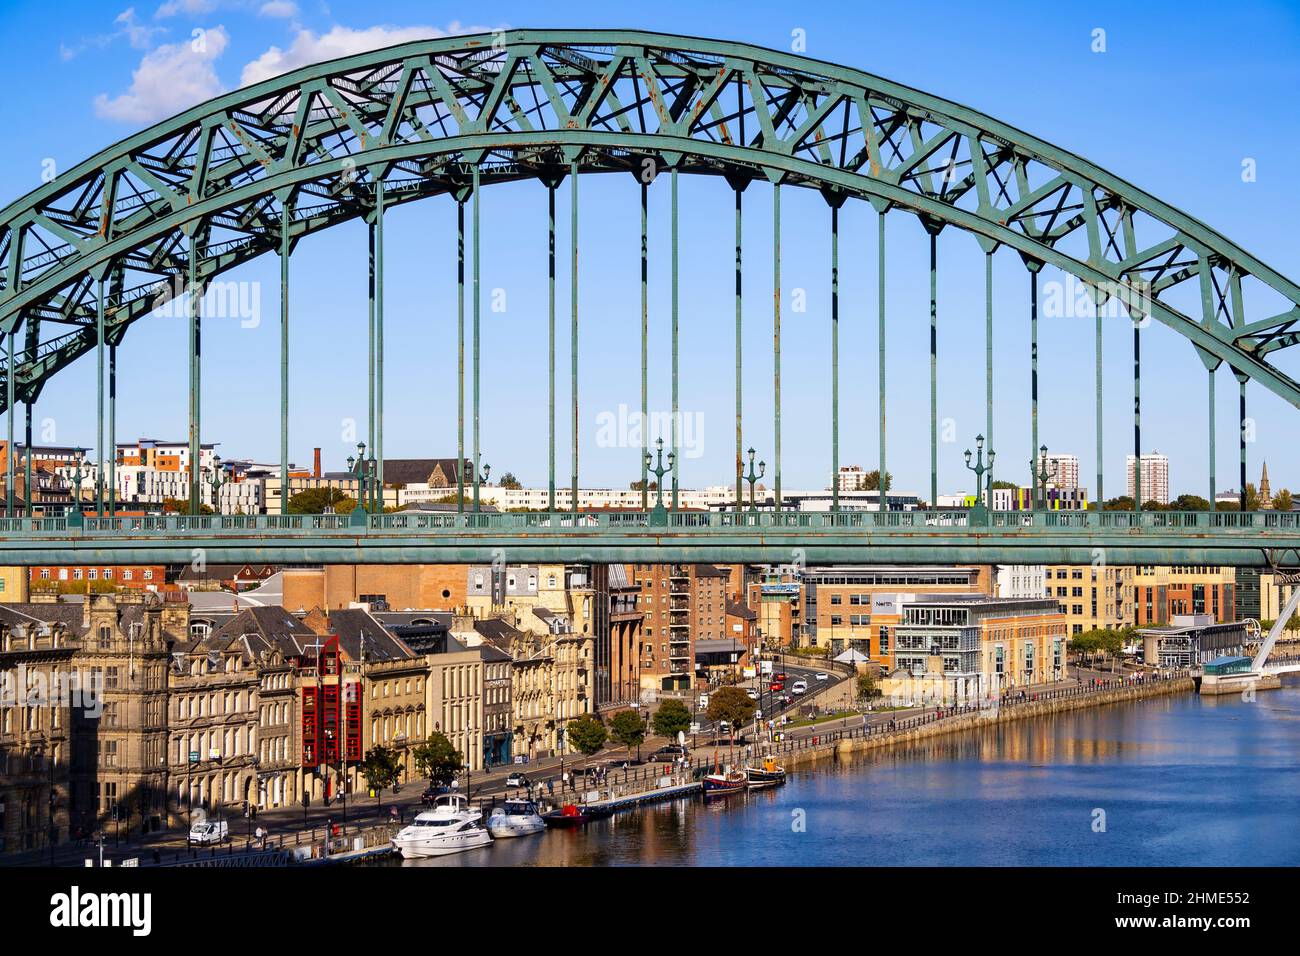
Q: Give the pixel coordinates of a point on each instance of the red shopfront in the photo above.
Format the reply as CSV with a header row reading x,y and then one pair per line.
x,y
331,716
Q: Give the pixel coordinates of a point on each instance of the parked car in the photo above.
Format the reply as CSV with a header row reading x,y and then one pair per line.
x,y
209,833
670,752
517,779
823,676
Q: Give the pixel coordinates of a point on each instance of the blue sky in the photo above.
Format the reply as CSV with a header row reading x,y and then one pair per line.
x,y
1183,93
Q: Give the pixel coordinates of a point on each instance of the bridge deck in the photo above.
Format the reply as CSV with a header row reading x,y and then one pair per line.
x,y
920,537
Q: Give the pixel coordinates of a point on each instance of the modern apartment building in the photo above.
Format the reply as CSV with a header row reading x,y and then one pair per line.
x,y
1163,592
966,646
1020,580
1155,477
857,606
681,604
1063,469
1091,597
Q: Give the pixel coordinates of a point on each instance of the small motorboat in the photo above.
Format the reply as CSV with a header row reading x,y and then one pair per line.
x,y
515,818
768,774
725,783
451,826
567,817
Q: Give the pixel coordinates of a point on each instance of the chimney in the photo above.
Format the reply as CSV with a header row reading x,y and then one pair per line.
x,y
315,472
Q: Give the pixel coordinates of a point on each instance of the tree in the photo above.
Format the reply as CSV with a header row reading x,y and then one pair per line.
x,y
1004,484
1282,501
1190,503
437,760
628,729
871,481
672,718
866,685
177,506
636,486
382,768
1122,503
314,501
586,734
509,481
732,705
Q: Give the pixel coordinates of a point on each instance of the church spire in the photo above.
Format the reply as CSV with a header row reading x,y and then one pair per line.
x,y
1265,495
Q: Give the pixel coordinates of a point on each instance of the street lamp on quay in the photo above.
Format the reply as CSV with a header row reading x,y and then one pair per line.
x,y
1042,475
979,513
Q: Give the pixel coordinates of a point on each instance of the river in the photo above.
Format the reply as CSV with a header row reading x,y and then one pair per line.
x,y
1169,781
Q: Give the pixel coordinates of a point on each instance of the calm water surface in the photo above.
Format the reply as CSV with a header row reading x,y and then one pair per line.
x,y
1182,781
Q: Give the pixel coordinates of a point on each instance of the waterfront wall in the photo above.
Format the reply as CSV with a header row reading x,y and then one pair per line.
x,y
837,743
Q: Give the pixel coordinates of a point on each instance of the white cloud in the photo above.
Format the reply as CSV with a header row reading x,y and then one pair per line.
x,y
188,7
309,47
168,80
138,35
278,8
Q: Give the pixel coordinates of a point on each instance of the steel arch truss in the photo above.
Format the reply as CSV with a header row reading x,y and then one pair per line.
x,y
308,148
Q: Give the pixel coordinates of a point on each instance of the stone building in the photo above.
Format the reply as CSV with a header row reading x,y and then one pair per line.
x,y
38,685
248,664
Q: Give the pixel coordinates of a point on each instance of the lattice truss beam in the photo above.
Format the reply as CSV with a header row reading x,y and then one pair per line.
x,y
307,149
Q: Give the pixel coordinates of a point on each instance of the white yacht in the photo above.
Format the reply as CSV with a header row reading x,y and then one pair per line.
x,y
515,818
451,826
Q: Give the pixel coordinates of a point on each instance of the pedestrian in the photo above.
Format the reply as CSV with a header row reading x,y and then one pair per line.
x,y
550,787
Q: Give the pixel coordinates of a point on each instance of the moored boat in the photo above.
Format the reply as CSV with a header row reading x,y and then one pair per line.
x,y
452,826
768,774
515,818
725,783
567,817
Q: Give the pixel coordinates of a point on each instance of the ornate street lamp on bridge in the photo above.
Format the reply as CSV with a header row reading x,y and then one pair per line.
x,y
659,514
1041,476
979,513
752,477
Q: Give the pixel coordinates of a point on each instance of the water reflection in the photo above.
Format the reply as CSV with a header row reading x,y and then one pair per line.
x,y
1181,781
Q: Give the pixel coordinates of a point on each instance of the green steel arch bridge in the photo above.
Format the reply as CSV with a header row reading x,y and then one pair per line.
x,y
159,215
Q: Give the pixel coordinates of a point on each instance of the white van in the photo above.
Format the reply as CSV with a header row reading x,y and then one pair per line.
x,y
209,832
799,687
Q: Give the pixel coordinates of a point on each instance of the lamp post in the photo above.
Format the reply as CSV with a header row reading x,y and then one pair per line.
x,y
659,515
487,471
359,472
75,516
372,482
1042,475
979,514
752,477
217,482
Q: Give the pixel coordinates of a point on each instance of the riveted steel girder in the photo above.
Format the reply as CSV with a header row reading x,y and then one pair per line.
x,y
211,182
